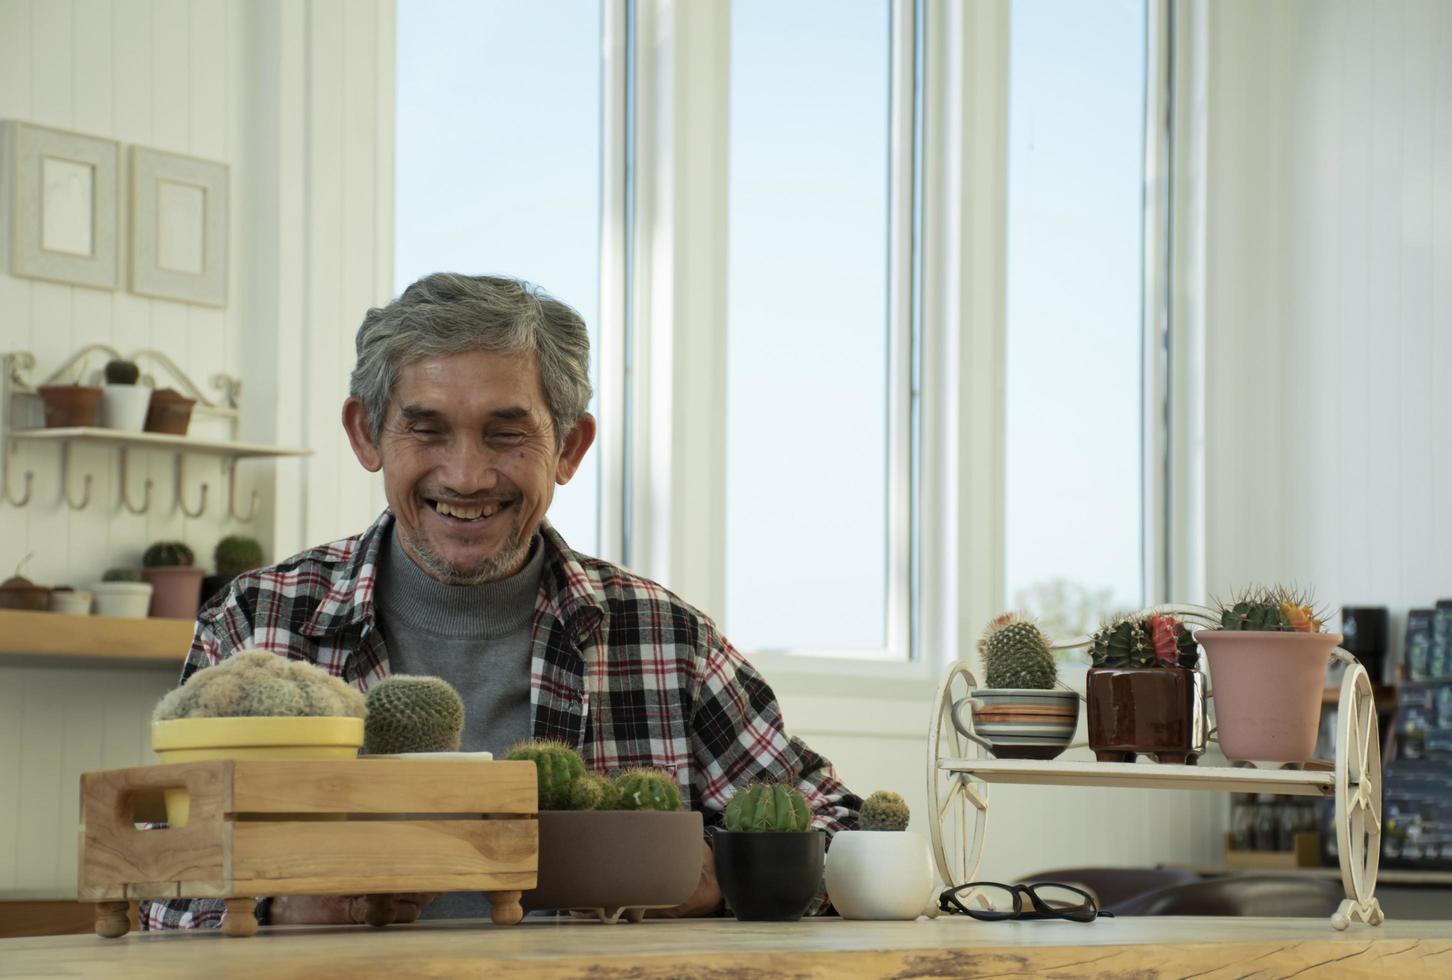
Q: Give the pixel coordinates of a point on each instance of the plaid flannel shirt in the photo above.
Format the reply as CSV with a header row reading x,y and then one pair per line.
x,y
621,669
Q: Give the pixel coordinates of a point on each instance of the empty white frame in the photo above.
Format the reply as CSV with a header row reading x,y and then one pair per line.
x,y
178,227
64,206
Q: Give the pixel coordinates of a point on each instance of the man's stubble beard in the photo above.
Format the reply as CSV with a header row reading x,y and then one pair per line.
x,y
501,564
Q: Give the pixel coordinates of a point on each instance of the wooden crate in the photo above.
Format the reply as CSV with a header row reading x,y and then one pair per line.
x,y
1306,853
262,828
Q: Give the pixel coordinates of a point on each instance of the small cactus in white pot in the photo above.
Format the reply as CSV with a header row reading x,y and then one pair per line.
x,y
881,870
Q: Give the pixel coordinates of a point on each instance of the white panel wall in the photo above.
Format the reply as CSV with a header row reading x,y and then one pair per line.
x,y
1329,300
311,211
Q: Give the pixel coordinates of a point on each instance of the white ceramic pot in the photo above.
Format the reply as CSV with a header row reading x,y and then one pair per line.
x,y
129,599
71,603
124,406
880,874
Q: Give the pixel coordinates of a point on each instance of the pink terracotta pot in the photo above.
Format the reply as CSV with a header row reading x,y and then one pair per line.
x,y
1267,691
177,590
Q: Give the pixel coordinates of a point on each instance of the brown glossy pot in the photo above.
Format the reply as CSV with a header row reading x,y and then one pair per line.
x,y
68,406
170,412
1159,711
615,862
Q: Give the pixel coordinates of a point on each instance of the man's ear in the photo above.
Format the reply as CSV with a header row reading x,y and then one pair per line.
x,y
360,435
577,442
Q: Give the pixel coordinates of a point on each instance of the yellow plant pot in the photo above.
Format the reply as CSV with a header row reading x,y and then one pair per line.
x,y
204,739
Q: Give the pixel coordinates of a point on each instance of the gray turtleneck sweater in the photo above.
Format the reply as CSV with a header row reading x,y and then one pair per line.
x,y
476,637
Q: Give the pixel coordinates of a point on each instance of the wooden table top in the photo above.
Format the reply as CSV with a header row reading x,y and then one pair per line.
x,y
945,947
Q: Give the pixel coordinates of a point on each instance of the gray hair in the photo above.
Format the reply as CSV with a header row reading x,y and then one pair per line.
x,y
448,313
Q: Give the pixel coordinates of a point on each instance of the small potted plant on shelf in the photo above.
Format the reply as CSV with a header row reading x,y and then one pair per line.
x,y
233,555
170,568
1268,665
70,602
169,413
609,846
768,856
19,592
122,593
124,402
73,405
256,705
1144,693
880,870
1020,713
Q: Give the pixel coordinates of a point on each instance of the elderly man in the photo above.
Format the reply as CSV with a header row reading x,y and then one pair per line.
x,y
469,395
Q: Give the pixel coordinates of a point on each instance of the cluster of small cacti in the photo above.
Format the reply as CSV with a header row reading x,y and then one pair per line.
x,y
235,554
167,553
413,714
883,811
1271,609
1016,655
122,373
768,807
565,784
1143,641
121,575
255,683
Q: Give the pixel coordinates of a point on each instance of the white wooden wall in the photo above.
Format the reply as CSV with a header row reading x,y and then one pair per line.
x,y
296,97
1329,312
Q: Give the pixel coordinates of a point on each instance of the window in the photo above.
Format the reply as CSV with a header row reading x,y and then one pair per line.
x,y
1075,335
816,560
498,164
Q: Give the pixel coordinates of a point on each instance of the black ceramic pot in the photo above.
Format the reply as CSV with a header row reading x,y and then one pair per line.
x,y
769,877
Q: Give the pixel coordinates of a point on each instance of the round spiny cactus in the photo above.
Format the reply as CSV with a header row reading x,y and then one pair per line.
x,y
648,789
1016,655
167,553
770,807
557,766
257,683
1271,609
121,575
413,714
122,372
593,791
884,811
1136,641
236,554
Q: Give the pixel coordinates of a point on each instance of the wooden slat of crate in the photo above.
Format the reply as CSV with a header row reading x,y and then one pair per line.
x,y
311,857
117,860
383,786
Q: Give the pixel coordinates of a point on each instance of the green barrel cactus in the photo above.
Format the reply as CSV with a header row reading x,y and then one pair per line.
x,y
121,575
165,553
122,372
413,714
1137,641
883,811
770,807
1271,609
557,766
236,554
1016,655
593,791
648,789
257,683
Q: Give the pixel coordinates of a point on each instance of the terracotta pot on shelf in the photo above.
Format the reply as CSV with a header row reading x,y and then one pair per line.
x,y
22,593
177,590
70,406
1268,689
1157,711
170,412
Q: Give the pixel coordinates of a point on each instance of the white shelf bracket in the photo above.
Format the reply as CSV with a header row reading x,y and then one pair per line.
x,y
251,514
126,490
85,500
181,486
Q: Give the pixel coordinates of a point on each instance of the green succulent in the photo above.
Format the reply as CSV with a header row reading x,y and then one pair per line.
x,y
257,683
165,553
883,811
1016,655
413,714
592,791
121,575
122,372
1272,609
768,807
236,554
557,767
648,789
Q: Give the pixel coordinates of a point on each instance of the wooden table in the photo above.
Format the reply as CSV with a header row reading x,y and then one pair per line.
x,y
1169,947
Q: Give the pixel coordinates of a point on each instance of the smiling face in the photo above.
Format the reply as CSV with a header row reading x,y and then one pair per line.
x,y
469,460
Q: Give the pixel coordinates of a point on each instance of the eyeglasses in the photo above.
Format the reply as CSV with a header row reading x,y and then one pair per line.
x,y
1049,900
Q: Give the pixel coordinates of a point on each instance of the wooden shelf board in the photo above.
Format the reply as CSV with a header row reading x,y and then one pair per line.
x,y
46,634
155,440
1146,776
1385,696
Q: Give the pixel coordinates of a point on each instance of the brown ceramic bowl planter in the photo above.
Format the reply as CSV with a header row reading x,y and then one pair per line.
x,y
70,406
1157,711
169,413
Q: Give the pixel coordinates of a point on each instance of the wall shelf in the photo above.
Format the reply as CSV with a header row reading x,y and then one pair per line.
x,y
155,440
48,636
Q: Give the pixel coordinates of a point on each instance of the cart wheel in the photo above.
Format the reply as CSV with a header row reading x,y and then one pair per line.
x,y
959,802
1358,798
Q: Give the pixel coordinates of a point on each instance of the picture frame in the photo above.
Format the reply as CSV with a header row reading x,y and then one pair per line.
x,y
64,205
179,227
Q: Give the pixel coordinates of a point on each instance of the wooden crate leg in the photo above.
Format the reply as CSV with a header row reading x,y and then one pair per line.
x,y
504,908
380,910
112,921
240,920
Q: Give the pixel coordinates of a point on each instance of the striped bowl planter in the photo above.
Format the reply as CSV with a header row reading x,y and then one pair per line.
x,y
1020,723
